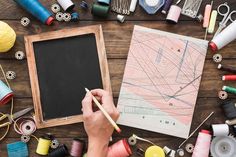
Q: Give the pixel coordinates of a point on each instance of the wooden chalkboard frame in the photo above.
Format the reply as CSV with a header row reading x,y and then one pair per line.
x,y
97,30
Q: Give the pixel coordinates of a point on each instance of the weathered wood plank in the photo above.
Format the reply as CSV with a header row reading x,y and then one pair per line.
x,y
10,10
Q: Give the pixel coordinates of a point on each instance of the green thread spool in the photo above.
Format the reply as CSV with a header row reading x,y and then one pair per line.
x,y
100,10
229,89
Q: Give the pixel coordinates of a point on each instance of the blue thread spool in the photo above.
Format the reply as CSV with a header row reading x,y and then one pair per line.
x,y
17,149
6,93
104,2
37,9
84,5
75,16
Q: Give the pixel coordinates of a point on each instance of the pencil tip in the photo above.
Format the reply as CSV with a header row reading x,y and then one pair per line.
x,y
86,89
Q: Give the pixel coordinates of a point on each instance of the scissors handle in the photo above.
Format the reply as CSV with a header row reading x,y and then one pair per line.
x,y
5,124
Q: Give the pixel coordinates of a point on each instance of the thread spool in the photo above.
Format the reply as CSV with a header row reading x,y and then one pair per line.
x,y
224,38
7,37
36,9
229,78
229,89
202,146
6,93
207,15
28,127
133,5
17,149
121,18
44,144
229,108
166,150
154,151
75,17
100,10
67,5
77,148
220,129
106,2
227,68
174,14
231,122
212,23
119,149
61,151
166,7
172,153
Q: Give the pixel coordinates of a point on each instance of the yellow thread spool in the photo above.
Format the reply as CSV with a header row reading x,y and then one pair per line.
x,y
154,151
7,37
43,146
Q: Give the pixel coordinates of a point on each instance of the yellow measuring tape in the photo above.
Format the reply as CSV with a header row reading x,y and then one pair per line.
x,y
154,151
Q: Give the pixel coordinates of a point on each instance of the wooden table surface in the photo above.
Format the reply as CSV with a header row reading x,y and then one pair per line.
x,y
117,39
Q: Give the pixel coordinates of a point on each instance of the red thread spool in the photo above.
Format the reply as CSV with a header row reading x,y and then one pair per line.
x,y
77,148
229,78
119,149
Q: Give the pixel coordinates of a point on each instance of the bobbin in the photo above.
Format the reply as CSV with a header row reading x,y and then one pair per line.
x,y
189,147
132,141
217,58
54,144
223,95
180,152
25,138
25,21
10,75
66,17
84,5
55,8
59,16
19,55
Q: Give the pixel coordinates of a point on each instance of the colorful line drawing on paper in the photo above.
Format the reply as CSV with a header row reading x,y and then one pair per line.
x,y
161,81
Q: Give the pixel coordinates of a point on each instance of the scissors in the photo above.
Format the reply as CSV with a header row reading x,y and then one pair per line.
x,y
11,118
227,17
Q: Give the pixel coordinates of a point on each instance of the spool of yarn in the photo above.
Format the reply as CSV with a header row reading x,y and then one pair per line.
x,y
67,5
61,151
119,149
28,127
220,129
154,151
229,108
17,149
7,37
6,93
202,146
100,10
174,14
230,69
77,148
43,146
37,10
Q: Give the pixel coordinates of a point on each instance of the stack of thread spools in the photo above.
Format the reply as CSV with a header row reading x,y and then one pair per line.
x,y
101,8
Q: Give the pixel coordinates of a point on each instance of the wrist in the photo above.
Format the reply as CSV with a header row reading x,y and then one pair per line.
x,y
97,147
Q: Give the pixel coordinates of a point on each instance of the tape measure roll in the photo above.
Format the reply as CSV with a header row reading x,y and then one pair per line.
x,y
154,151
6,93
7,37
100,10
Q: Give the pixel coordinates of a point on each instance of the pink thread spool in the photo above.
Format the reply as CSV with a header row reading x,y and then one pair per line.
x,y
202,146
77,148
119,149
174,14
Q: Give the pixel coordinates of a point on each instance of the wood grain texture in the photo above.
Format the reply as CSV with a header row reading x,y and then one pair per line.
x,y
117,39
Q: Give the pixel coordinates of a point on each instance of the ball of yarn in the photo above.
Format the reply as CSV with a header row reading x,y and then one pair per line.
x,y
7,37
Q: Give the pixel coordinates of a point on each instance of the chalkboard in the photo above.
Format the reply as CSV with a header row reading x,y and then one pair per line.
x,y
61,64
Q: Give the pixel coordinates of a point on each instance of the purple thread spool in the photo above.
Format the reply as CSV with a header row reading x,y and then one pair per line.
x,y
6,93
77,148
167,6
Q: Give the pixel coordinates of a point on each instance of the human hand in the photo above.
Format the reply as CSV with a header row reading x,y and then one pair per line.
x,y
97,126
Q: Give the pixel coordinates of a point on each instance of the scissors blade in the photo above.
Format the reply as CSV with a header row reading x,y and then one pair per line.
x,y
21,113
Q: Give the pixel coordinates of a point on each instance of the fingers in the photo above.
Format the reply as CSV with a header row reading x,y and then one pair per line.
x,y
87,105
105,97
99,92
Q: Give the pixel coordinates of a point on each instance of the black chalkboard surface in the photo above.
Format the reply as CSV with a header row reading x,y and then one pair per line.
x,y
65,67
61,64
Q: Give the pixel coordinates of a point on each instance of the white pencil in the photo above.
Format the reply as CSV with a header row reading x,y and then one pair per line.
x,y
105,113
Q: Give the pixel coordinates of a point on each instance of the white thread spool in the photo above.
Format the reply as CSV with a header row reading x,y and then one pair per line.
x,y
224,38
202,146
133,5
174,14
220,129
67,5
